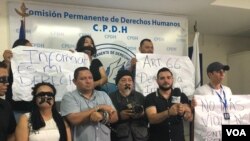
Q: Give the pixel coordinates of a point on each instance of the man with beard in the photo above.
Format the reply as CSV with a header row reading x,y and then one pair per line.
x,y
132,124
166,109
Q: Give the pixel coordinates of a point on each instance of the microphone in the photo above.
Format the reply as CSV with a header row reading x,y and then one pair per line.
x,y
176,95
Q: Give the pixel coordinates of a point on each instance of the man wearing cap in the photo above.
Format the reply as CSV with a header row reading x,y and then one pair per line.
x,y
132,123
216,74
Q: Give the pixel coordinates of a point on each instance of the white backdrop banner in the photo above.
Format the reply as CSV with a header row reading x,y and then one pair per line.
x,y
148,65
33,65
117,34
209,115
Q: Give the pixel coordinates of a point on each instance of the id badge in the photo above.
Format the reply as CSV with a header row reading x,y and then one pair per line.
x,y
226,116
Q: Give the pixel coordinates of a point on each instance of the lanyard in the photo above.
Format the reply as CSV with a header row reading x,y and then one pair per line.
x,y
223,101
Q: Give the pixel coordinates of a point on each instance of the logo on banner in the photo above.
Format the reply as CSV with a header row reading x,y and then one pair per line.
x,y
114,57
240,132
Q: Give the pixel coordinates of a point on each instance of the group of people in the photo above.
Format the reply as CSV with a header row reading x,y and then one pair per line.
x,y
88,113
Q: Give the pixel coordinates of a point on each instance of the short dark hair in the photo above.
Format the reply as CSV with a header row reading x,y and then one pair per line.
x,y
144,40
77,70
81,41
20,42
162,70
3,65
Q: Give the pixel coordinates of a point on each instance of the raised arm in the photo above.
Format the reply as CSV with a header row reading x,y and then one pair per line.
x,y
104,78
22,130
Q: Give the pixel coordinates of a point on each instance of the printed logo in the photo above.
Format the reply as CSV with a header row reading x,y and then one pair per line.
x,y
113,57
235,132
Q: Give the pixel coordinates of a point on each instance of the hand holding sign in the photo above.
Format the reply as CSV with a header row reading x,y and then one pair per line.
x,y
33,65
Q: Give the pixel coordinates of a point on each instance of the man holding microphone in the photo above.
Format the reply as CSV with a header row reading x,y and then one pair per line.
x,y
166,109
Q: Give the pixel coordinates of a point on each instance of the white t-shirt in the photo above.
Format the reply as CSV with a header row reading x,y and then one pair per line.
x,y
48,133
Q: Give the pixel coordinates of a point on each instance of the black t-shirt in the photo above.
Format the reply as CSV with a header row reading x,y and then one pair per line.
x,y
171,128
94,68
16,105
7,120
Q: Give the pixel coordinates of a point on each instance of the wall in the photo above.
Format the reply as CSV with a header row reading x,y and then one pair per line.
x,y
239,73
218,48
4,28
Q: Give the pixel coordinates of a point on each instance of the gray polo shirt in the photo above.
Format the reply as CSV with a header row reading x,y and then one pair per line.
x,y
73,102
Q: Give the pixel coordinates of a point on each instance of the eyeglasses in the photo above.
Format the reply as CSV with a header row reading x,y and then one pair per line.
x,y
4,79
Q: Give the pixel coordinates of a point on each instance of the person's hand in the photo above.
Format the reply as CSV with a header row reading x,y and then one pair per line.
x,y
126,114
188,116
7,55
181,109
107,108
193,103
137,115
71,50
96,116
133,61
173,110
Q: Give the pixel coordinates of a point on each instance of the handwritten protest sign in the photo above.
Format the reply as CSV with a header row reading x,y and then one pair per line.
x,y
148,65
209,115
32,65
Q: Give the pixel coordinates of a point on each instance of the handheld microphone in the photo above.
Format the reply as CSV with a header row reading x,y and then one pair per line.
x,y
176,95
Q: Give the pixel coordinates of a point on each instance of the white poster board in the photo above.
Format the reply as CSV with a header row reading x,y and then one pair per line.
x,y
147,66
209,115
31,65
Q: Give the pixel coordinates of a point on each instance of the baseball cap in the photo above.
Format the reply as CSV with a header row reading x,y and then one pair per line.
x,y
216,66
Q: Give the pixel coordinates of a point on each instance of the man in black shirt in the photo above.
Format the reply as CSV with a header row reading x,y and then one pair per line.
x,y
7,119
166,108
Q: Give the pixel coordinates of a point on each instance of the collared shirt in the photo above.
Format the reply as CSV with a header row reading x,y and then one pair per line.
x,y
7,120
171,129
74,102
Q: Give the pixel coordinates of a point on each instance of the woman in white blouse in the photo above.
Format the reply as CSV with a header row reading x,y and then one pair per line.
x,y
43,123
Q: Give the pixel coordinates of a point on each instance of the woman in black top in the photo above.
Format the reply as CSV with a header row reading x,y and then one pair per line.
x,y
86,44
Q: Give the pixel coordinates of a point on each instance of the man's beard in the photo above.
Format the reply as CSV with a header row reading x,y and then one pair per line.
x,y
127,89
165,87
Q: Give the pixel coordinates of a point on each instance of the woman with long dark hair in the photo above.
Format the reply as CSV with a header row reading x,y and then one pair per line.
x,y
43,123
86,44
